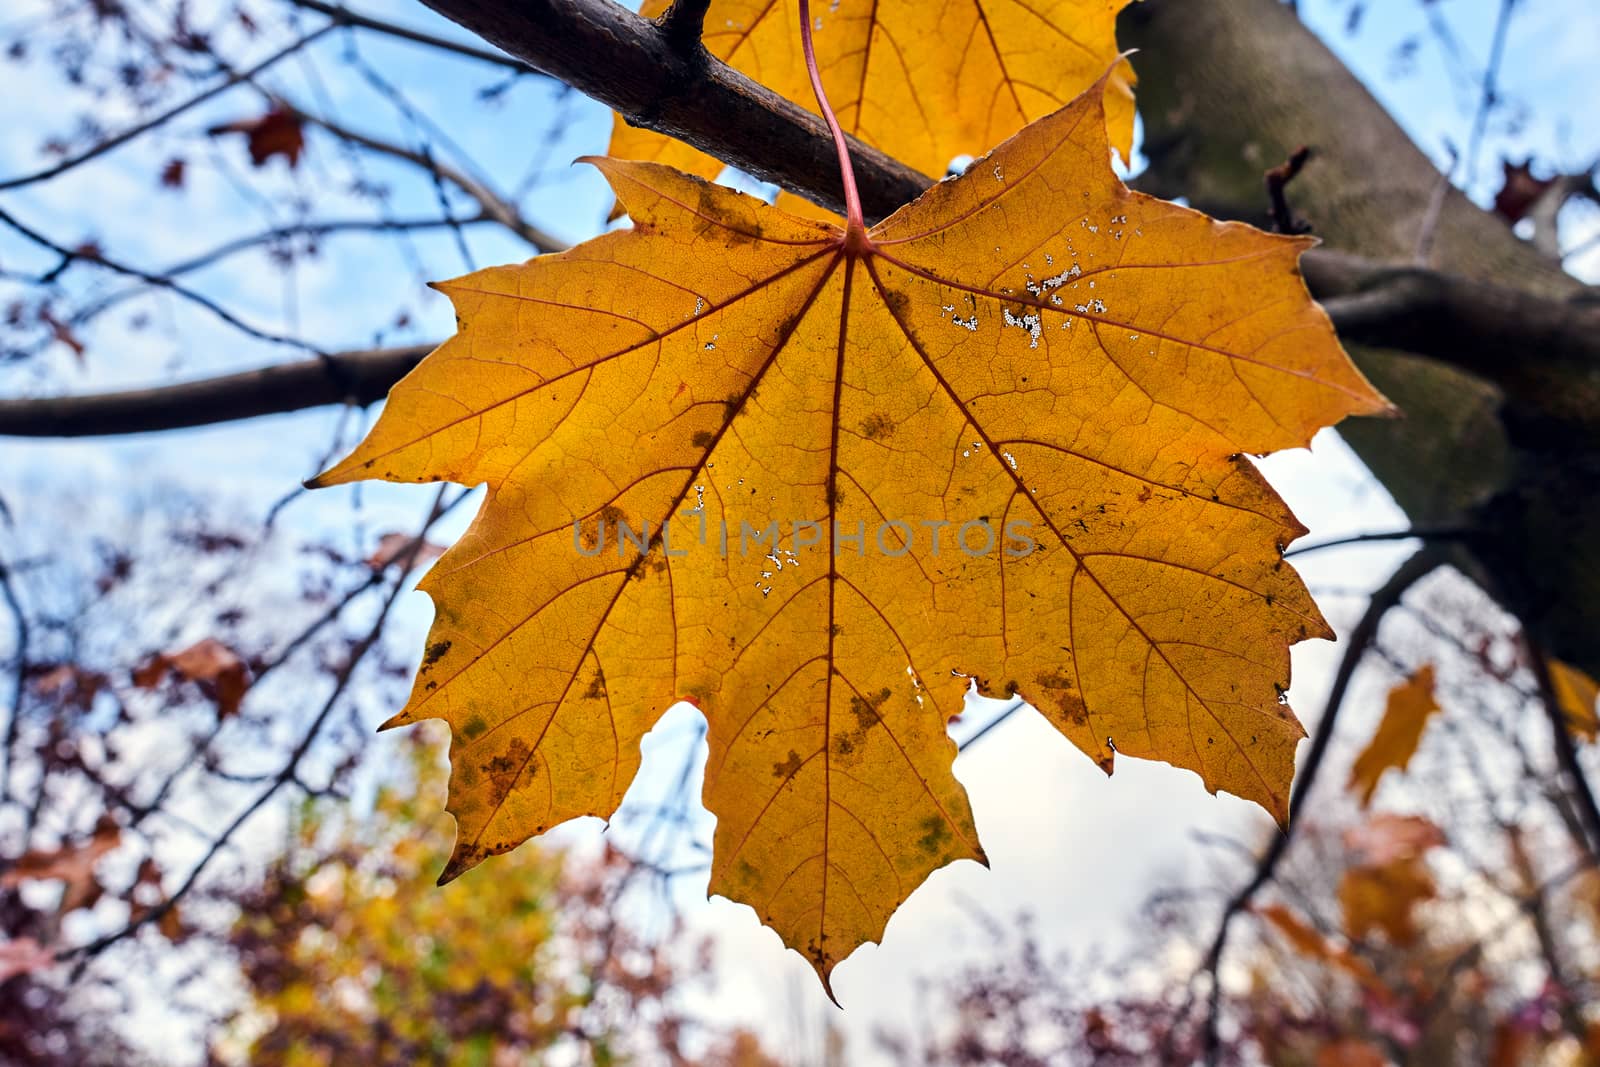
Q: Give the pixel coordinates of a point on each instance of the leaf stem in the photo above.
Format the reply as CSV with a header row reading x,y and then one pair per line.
x,y
855,232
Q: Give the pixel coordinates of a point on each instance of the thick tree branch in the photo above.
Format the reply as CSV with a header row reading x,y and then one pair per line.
x,y
1472,325
636,67
341,377
1541,351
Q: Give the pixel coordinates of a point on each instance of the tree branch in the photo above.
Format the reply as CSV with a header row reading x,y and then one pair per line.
x,y
343,16
1426,560
1472,325
171,113
635,67
358,377
494,206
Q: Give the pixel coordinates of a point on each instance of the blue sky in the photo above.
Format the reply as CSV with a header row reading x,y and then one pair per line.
x,y
1076,849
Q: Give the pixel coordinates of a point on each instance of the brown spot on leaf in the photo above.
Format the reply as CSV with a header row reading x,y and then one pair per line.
x,y
877,426
789,767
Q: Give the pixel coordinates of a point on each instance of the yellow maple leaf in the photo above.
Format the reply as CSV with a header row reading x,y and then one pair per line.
x,y
925,83
1411,704
1057,375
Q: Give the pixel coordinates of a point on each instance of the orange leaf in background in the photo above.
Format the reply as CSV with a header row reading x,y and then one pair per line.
x,y
73,865
1576,695
1384,898
1411,705
1389,876
1350,1052
221,674
1386,837
1058,375
1308,942
280,132
923,82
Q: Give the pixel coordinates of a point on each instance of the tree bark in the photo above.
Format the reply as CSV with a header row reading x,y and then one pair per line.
x,y
1229,88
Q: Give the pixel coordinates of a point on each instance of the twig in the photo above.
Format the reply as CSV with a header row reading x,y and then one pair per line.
x,y
343,16
20,624
493,204
1278,178
1491,91
1419,566
1443,533
1489,97
684,23
166,116
71,255
999,717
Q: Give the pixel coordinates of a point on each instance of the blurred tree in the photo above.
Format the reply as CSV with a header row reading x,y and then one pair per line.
x,y
353,955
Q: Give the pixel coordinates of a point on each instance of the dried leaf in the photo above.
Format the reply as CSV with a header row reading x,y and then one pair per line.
x,y
1029,354
23,956
1386,838
925,83
1411,705
279,132
1385,898
73,865
219,671
1308,942
1519,190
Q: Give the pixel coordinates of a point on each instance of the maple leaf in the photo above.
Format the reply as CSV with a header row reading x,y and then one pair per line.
x,y
926,83
1411,704
1029,353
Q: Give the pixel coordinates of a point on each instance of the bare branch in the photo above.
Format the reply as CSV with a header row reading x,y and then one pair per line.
x,y
70,256
19,621
1426,560
313,229
343,16
495,206
1566,748
130,134
359,377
